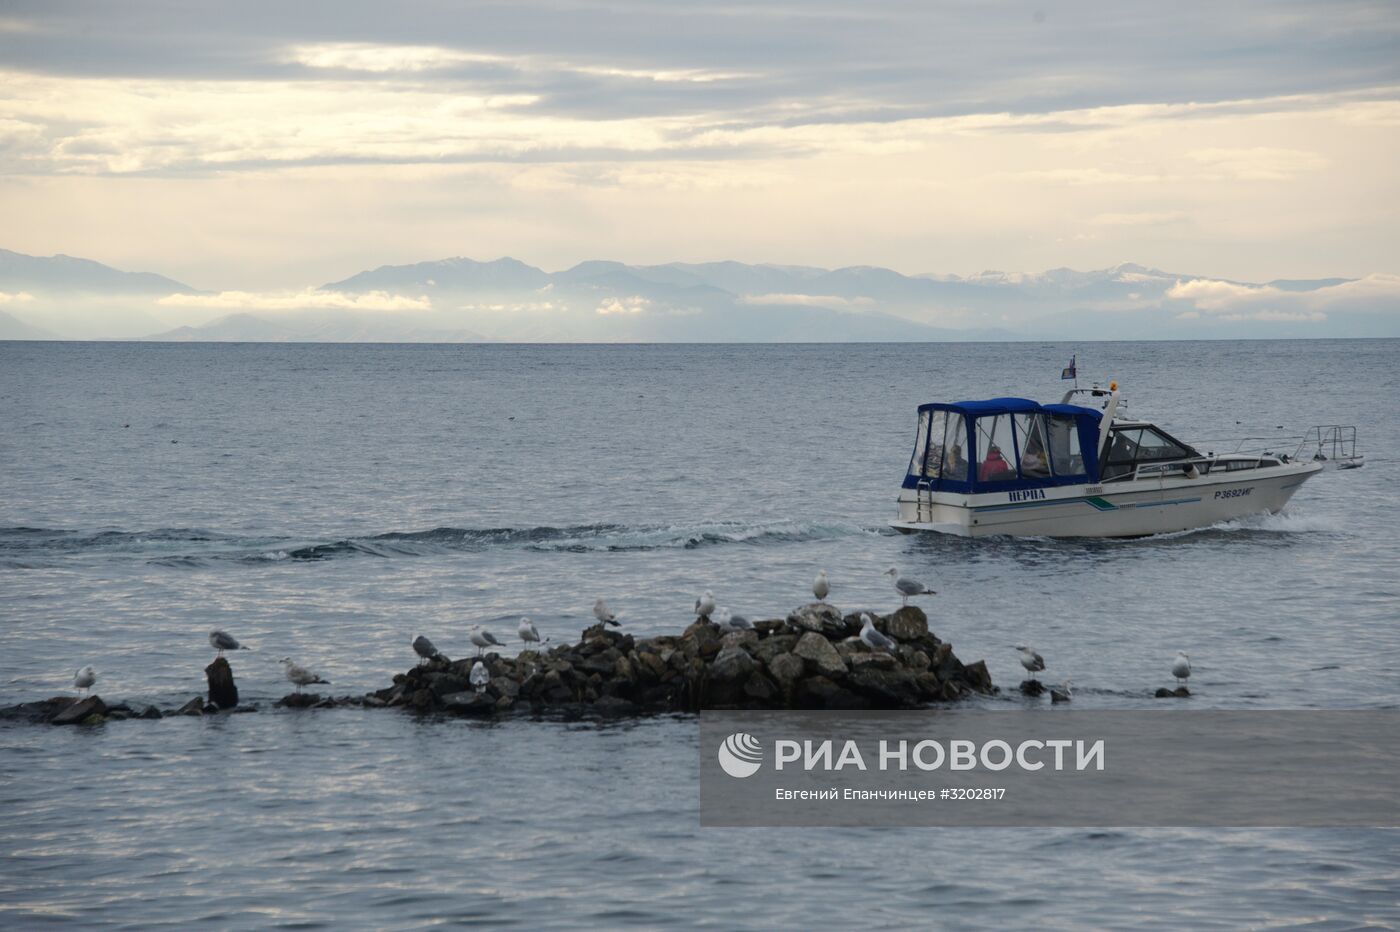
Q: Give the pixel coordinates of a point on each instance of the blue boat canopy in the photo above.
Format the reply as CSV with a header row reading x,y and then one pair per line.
x,y
1003,444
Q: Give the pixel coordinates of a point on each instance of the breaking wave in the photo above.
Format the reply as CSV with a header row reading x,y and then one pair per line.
x,y
193,547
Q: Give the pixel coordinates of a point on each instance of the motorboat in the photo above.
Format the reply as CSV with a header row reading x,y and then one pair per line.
x,y
1015,467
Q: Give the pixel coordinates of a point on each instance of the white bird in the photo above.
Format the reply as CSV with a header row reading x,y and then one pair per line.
x,y
728,621
907,587
84,678
528,632
705,605
482,638
874,639
424,649
821,586
222,641
1062,694
298,675
480,676
601,612
1181,669
1032,661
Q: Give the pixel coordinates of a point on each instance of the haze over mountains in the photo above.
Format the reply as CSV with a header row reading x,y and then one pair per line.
x,y
464,300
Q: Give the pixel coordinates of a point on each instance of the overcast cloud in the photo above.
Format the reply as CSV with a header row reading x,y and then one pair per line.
x,y
274,145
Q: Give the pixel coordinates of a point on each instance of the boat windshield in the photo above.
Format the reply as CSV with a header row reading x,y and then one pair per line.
x,y
1131,447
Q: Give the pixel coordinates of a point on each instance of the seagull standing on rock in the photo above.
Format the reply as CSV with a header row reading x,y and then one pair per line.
x,y
874,639
705,605
1032,661
603,614
820,586
907,587
222,641
84,678
424,649
480,676
298,675
528,632
1181,668
482,638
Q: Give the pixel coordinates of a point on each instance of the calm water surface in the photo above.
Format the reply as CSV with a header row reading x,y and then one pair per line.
x,y
328,502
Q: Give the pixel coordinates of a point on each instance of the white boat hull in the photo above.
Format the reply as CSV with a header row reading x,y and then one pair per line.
x,y
1115,509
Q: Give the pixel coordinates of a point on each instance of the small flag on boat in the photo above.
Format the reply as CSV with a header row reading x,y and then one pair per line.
x,y
1069,372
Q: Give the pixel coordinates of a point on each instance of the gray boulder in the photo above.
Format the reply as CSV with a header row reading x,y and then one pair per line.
x,y
820,656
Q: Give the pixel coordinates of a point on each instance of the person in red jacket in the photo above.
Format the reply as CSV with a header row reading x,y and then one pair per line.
x,y
994,467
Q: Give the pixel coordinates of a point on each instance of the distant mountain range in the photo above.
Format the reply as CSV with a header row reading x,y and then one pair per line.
x,y
464,300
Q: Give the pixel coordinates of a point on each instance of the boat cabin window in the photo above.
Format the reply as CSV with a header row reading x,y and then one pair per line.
x,y
919,459
1030,435
945,435
1131,447
996,450
954,456
1065,456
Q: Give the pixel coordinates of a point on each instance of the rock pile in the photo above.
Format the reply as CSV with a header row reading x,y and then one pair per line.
x,y
814,659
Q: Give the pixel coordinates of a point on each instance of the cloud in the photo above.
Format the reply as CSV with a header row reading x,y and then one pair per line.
x,y
1378,293
1258,163
379,59
307,299
20,297
808,300
632,305
1145,218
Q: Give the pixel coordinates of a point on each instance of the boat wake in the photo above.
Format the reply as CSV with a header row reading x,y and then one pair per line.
x,y
24,547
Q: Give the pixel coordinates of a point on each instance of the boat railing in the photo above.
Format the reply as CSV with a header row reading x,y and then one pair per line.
x,y
1335,442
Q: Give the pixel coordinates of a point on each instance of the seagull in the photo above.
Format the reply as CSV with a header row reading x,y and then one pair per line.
x,y
728,621
222,641
424,649
528,632
480,676
907,587
1181,669
1032,661
1062,694
874,639
820,586
705,605
84,678
603,614
298,675
482,638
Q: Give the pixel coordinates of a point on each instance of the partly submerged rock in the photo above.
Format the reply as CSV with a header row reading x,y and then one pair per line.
x,y
87,711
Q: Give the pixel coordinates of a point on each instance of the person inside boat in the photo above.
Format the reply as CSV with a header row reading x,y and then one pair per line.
x,y
1033,458
995,467
957,463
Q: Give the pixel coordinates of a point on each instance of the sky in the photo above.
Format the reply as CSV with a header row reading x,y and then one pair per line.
x,y
259,145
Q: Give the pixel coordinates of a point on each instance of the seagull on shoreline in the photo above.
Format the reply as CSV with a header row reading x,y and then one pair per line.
x,y
298,675
480,676
482,638
1032,661
603,614
705,605
873,639
222,641
821,586
1181,668
425,650
527,632
84,678
907,587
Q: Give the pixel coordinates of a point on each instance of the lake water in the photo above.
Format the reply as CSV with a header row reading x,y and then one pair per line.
x,y
328,502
